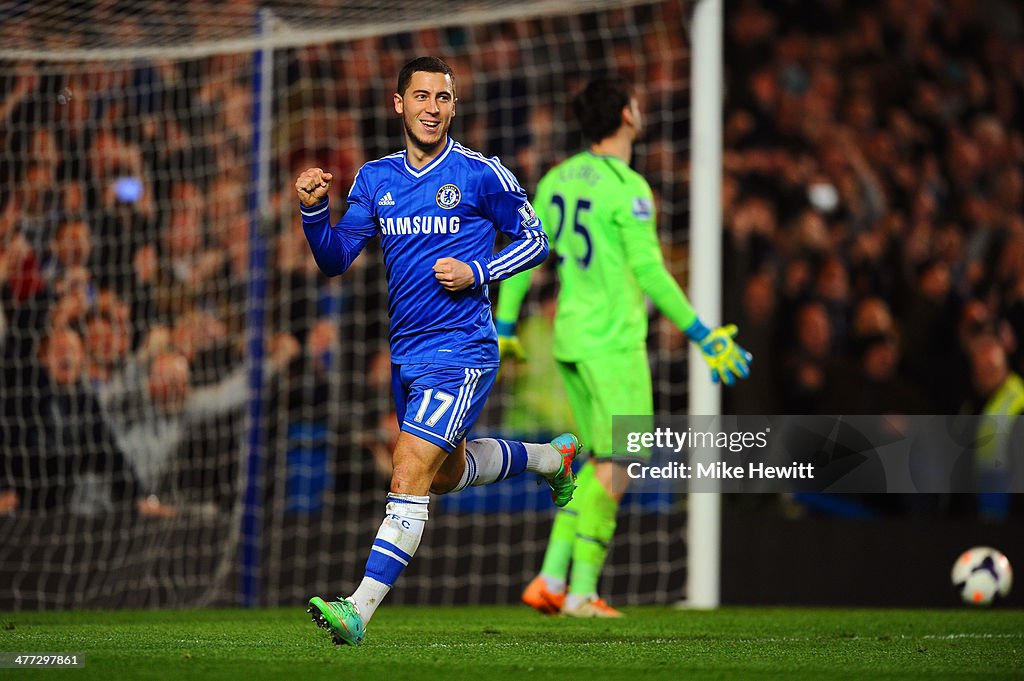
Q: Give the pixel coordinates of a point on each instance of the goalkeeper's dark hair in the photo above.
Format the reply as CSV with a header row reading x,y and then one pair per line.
x,y
599,106
428,64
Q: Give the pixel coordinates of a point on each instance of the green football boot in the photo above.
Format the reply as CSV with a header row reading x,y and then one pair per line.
x,y
563,483
340,618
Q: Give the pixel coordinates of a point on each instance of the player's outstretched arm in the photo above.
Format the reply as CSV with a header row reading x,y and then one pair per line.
x,y
727,360
334,248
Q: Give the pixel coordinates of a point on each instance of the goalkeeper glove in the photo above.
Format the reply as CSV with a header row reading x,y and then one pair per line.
x,y
727,360
509,346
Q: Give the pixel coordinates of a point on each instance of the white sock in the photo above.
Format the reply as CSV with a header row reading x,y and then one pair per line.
x,y
542,458
554,584
490,460
367,596
396,542
573,601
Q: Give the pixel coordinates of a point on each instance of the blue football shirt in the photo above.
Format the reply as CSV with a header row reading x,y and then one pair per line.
x,y
452,207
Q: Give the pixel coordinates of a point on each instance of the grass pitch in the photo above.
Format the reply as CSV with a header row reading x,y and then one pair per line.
x,y
484,643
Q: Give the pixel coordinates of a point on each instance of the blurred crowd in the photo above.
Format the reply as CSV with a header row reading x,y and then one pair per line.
x,y
874,234
873,195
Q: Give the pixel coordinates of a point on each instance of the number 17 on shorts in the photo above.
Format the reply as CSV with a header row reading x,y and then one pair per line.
x,y
440,403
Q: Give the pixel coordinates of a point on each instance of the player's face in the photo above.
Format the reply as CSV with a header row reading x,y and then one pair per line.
x,y
427,108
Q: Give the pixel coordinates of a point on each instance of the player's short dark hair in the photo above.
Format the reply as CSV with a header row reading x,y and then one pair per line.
x,y
599,106
428,64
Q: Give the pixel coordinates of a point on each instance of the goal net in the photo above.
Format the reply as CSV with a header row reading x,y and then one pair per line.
x,y
193,414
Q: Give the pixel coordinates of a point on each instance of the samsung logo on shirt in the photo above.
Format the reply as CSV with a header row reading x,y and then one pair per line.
x,y
420,224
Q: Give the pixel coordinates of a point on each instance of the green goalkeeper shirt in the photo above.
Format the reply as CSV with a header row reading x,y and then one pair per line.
x,y
599,216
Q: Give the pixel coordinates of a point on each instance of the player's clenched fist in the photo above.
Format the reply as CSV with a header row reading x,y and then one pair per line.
x,y
312,186
454,275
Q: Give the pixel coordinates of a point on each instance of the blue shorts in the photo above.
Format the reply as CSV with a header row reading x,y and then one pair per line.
x,y
440,403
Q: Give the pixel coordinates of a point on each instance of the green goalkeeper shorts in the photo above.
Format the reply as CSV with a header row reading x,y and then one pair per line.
x,y
600,388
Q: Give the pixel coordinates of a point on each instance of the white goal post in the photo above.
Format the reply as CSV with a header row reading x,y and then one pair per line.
x,y
704,508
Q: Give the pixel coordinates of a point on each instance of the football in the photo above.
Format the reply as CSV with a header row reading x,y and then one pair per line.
x,y
981,575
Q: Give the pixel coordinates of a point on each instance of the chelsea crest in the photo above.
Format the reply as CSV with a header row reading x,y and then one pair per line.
x,y
448,196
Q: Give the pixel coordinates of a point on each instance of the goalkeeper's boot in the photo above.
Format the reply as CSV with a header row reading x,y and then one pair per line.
x,y
540,598
339,617
590,607
563,483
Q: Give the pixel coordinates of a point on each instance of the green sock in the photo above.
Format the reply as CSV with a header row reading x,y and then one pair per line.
x,y
563,532
594,529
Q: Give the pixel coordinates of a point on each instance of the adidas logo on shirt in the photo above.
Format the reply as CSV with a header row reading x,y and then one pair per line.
x,y
386,200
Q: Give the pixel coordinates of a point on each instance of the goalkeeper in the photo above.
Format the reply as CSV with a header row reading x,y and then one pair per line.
x,y
599,215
